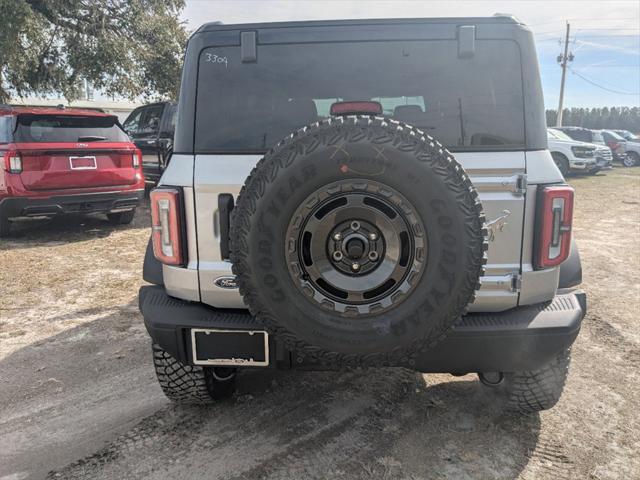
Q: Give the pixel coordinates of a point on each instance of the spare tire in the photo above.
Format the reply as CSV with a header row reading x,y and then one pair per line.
x,y
358,241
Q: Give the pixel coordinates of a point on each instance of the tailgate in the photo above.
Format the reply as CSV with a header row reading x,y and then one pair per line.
x,y
499,178
71,168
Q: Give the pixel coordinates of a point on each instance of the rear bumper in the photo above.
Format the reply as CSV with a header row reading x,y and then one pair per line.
x,y
61,204
523,338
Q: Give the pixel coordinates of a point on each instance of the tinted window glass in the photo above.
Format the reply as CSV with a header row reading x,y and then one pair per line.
x,y
132,123
581,135
68,128
613,136
150,122
473,103
170,116
559,134
597,137
5,129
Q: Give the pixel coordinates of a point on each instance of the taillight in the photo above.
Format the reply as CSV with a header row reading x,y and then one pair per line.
x,y
137,158
13,162
166,228
553,228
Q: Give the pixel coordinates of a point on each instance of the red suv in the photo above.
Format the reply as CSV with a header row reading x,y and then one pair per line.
x,y
57,160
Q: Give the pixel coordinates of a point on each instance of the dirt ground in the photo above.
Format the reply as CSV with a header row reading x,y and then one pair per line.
x,y
79,398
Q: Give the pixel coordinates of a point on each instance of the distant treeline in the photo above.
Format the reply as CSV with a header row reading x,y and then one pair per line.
x,y
616,118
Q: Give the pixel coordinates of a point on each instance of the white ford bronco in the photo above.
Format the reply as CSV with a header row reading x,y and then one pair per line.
x,y
363,193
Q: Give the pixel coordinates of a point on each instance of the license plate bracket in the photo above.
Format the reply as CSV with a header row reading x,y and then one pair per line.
x,y
216,347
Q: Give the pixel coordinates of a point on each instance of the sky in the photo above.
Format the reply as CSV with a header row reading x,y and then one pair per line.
x,y
605,34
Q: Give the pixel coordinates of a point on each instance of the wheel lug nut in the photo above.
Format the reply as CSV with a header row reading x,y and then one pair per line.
x,y
373,255
355,225
337,236
355,266
337,255
373,237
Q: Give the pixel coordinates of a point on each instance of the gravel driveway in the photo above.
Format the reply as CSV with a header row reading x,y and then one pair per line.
x,y
79,398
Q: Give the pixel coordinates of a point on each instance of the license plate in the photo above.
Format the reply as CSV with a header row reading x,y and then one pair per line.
x,y
248,348
82,163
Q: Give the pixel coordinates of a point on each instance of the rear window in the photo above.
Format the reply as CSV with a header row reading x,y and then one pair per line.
x,y
68,128
467,104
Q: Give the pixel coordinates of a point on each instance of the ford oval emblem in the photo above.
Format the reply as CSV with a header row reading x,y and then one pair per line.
x,y
226,282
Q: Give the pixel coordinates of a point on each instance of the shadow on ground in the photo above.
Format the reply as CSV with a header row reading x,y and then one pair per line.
x,y
65,229
90,394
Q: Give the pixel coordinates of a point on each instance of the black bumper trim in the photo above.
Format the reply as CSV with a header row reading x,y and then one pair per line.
x,y
520,339
63,204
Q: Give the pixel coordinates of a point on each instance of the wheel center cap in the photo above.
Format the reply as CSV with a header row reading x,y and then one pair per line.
x,y
355,248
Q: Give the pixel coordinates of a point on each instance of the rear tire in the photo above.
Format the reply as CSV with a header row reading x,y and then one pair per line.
x,y
192,385
5,226
562,163
122,218
535,390
631,160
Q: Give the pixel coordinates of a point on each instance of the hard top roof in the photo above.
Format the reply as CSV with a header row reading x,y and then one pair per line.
x,y
498,18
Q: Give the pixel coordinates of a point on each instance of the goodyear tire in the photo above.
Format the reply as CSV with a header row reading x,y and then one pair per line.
x,y
358,241
191,385
536,390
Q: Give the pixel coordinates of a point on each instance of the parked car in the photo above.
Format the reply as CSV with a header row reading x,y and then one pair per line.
x,y
63,160
151,128
595,136
632,147
571,155
619,146
358,239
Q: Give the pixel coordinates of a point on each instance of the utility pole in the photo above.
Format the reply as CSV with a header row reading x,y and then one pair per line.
x,y
562,60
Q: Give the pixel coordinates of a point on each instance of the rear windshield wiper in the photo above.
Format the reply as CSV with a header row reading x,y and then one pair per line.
x,y
91,138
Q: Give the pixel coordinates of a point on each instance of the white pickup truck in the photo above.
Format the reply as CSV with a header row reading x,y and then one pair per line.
x,y
572,155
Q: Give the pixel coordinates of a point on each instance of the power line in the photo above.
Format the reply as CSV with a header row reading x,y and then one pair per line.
x,y
601,86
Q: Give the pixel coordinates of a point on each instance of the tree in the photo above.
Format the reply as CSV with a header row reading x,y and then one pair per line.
x,y
129,48
622,118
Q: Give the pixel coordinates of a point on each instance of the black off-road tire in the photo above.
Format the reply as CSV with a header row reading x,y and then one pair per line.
x,y
5,226
186,384
562,163
536,390
355,152
122,218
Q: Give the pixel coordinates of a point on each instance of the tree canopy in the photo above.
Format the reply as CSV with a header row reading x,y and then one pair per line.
x,y
127,48
622,118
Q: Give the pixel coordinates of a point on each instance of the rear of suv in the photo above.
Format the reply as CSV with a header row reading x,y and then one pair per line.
x,y
363,193
59,161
